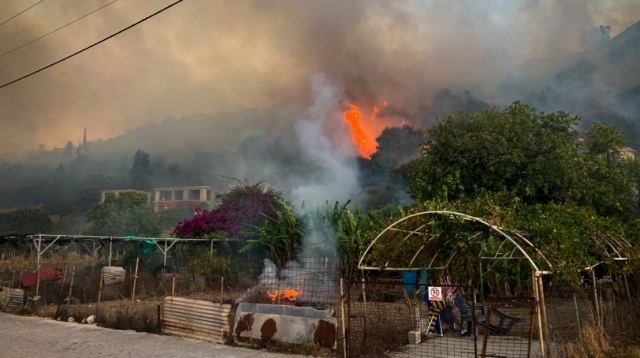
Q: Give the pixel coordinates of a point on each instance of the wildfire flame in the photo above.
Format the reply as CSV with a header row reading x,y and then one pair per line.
x,y
366,144
289,294
365,129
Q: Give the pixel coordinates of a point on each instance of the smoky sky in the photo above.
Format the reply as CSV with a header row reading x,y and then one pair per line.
x,y
206,56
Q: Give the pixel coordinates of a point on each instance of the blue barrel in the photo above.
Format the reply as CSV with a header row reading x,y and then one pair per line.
x,y
409,279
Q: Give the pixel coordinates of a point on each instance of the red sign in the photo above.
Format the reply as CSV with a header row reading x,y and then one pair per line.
x,y
435,293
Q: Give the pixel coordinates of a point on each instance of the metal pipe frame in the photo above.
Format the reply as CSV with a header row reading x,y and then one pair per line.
x,y
495,228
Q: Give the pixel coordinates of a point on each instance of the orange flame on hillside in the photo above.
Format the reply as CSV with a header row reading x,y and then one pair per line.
x,y
361,136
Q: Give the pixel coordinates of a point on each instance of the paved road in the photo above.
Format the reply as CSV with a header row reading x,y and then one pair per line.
x,y
38,337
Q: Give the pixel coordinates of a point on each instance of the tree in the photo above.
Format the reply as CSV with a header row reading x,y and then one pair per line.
x,y
396,146
536,157
603,140
68,151
122,215
608,182
515,149
85,198
24,221
141,171
280,235
379,175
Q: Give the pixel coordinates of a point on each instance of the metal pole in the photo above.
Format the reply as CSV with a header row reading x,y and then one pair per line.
x,y
485,339
164,258
64,277
93,253
575,304
481,288
531,313
364,305
110,247
595,295
348,346
626,284
536,290
38,265
344,330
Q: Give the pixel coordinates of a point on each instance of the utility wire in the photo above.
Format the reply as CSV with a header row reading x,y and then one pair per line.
x,y
92,45
56,29
21,12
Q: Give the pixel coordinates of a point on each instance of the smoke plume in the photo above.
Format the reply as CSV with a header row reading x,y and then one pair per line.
x,y
216,56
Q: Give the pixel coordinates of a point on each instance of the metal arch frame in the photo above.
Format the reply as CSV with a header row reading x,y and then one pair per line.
x,y
497,229
536,276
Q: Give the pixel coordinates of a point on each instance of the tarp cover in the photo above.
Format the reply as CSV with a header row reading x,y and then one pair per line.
x,y
47,274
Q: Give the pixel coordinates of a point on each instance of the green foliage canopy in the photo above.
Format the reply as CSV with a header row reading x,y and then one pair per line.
x,y
24,221
535,156
280,235
128,213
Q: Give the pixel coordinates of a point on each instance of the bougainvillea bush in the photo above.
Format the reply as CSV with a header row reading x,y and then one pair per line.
x,y
243,209
206,222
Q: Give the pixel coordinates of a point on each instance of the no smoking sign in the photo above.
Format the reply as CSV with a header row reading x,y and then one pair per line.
x,y
435,293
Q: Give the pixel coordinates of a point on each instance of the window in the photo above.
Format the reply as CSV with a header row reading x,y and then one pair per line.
x,y
178,195
194,194
208,195
165,195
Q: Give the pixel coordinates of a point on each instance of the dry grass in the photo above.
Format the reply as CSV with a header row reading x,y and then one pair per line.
x,y
141,316
617,336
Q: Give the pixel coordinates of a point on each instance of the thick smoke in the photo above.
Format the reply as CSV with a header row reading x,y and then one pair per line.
x,y
214,56
324,140
228,92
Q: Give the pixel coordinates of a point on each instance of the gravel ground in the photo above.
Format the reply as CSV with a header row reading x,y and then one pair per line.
x,y
39,337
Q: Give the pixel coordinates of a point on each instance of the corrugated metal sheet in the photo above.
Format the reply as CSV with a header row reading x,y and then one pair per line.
x,y
11,299
195,319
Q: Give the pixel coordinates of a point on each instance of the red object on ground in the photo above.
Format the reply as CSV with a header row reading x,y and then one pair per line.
x,y
48,274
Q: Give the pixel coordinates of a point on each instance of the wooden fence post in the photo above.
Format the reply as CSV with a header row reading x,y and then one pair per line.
x,y
135,280
221,289
73,276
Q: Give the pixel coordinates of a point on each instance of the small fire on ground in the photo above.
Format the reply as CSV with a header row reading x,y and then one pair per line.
x,y
285,296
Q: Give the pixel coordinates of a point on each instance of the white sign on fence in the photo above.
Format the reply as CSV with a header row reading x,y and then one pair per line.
x,y
435,293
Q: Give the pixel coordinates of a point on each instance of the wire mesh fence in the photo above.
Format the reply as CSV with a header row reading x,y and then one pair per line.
x,y
393,318
123,283
307,281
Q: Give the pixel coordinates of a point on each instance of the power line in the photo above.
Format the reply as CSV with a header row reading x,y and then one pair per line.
x,y
56,29
21,12
92,45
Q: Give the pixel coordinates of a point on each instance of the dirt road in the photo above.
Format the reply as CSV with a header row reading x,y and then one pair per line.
x,y
38,337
